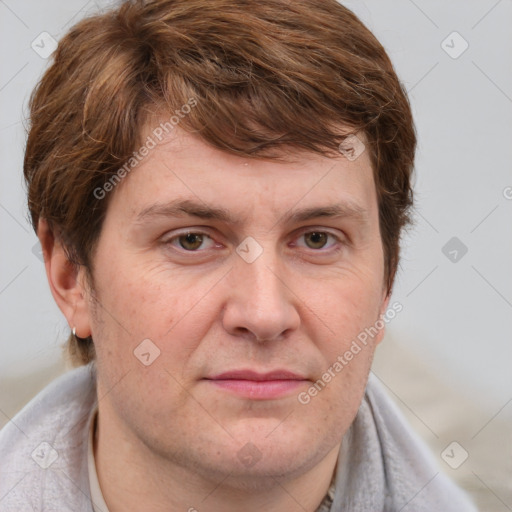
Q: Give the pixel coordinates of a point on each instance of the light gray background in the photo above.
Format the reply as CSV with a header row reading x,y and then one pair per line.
x,y
457,316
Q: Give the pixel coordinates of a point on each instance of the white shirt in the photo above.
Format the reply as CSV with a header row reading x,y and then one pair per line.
x,y
98,502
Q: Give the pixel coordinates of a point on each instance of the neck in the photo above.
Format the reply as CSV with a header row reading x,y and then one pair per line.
x,y
131,477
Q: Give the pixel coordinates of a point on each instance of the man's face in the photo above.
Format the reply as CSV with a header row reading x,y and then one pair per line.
x,y
250,278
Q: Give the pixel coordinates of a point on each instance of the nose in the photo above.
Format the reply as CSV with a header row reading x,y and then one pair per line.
x,y
261,305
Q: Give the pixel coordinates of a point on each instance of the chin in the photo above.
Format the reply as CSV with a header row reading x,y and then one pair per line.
x,y
258,457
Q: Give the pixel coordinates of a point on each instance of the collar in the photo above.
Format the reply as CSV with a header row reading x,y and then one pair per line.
x,y
98,502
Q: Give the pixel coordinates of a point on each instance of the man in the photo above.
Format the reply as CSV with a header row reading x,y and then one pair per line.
x,y
219,189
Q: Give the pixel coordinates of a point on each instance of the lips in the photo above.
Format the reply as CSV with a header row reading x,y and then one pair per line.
x,y
256,376
258,386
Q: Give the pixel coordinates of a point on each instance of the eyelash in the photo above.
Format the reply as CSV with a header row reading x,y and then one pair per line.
x,y
338,241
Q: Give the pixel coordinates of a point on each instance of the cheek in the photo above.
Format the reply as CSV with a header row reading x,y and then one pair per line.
x,y
150,303
350,311
344,309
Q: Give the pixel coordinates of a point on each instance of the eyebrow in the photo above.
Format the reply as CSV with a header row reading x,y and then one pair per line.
x,y
187,207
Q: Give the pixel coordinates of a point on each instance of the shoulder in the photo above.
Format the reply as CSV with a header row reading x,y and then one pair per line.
x,y
43,448
413,477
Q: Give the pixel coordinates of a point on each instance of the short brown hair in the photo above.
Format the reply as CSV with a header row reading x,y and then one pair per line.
x,y
266,75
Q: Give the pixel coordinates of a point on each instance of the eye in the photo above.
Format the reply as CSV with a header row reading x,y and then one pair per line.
x,y
318,240
191,241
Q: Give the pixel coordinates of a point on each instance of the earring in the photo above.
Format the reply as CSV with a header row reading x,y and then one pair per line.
x,y
78,339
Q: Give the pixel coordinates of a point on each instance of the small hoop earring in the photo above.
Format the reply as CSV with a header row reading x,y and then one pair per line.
x,y
78,339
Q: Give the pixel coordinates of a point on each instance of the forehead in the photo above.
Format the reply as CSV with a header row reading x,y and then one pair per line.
x,y
182,168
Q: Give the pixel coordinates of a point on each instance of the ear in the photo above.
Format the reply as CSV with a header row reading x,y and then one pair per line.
x,y
383,308
66,280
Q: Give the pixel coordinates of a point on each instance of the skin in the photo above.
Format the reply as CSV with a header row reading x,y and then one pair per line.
x,y
169,440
